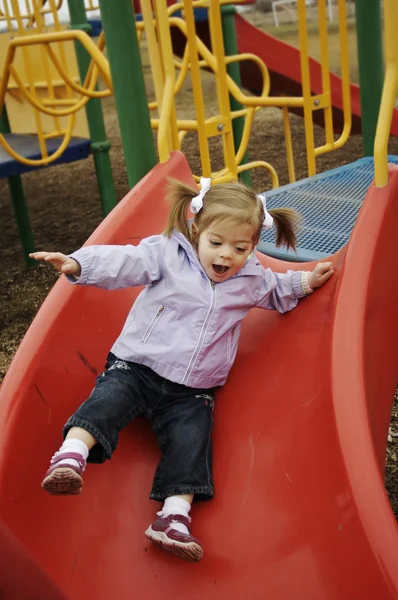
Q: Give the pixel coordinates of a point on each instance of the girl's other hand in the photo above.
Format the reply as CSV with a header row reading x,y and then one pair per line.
x,y
60,261
320,275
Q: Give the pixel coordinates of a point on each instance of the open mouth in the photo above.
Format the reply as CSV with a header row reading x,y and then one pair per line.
x,y
220,269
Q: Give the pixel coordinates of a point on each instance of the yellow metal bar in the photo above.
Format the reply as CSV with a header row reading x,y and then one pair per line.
x,y
306,86
69,35
260,163
28,70
168,134
244,142
217,42
197,87
88,89
289,145
7,16
262,67
389,93
324,47
154,52
57,83
183,66
45,59
59,102
345,73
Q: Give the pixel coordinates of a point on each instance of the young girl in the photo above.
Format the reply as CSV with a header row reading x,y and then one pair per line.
x,y
178,343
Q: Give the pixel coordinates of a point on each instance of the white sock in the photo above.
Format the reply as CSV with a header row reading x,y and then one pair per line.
x,y
75,446
174,505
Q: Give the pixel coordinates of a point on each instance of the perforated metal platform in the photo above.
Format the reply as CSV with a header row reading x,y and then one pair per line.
x,y
329,204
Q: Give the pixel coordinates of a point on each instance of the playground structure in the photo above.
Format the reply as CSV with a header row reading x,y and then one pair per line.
x,y
299,529
324,96
197,55
41,102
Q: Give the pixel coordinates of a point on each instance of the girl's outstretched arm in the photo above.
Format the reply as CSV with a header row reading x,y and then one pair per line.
x,y
63,264
112,267
282,291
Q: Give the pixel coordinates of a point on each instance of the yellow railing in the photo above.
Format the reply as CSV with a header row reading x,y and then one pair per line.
x,y
323,101
198,56
390,90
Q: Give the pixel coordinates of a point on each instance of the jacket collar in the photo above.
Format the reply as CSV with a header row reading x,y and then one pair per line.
x,y
251,267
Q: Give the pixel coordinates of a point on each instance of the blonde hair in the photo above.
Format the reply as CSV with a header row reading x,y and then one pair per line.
x,y
227,202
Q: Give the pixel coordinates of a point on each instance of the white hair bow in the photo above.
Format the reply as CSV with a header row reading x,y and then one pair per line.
x,y
197,202
268,220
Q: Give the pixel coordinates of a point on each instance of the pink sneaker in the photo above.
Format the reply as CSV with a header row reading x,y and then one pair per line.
x,y
182,544
66,479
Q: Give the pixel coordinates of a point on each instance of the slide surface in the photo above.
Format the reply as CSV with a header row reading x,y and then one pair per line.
x,y
300,431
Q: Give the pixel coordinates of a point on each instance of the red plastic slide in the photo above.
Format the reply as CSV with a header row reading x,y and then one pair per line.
x,y
300,432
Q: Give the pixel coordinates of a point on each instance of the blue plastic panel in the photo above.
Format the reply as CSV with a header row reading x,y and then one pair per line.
x,y
28,146
329,204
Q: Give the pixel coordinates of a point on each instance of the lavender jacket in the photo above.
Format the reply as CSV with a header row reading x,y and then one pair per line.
x,y
182,325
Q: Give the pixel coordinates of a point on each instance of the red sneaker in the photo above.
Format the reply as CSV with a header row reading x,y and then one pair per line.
x,y
181,544
65,479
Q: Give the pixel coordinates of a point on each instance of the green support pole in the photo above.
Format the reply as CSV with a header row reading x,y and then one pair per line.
x,y
100,145
233,70
118,21
370,63
19,204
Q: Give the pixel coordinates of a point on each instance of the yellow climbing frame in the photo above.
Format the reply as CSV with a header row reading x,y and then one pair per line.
x,y
158,20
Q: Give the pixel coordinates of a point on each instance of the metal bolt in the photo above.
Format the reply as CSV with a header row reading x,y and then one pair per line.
x,y
220,127
317,102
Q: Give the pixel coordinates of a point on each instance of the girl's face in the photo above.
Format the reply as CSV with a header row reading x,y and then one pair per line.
x,y
223,251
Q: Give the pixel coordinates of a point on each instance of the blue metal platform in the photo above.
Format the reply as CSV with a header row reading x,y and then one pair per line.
x,y
329,204
28,146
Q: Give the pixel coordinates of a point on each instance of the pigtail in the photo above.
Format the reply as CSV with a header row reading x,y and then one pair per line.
x,y
179,195
287,223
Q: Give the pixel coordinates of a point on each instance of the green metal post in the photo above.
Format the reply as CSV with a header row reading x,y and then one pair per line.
x,y
233,70
370,63
19,204
118,21
100,145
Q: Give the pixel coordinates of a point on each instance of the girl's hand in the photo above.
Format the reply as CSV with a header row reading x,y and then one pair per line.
x,y
60,261
320,275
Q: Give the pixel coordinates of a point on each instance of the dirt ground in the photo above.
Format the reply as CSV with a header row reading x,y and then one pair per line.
x,y
64,207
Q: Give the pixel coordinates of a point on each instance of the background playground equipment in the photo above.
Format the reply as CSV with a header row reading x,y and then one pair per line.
x,y
197,55
41,102
327,222
227,124
300,476
266,66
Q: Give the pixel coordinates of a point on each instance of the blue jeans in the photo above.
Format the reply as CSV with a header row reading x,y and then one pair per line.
x,y
181,417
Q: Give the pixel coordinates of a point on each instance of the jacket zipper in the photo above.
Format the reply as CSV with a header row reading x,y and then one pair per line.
x,y
230,343
202,335
152,324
